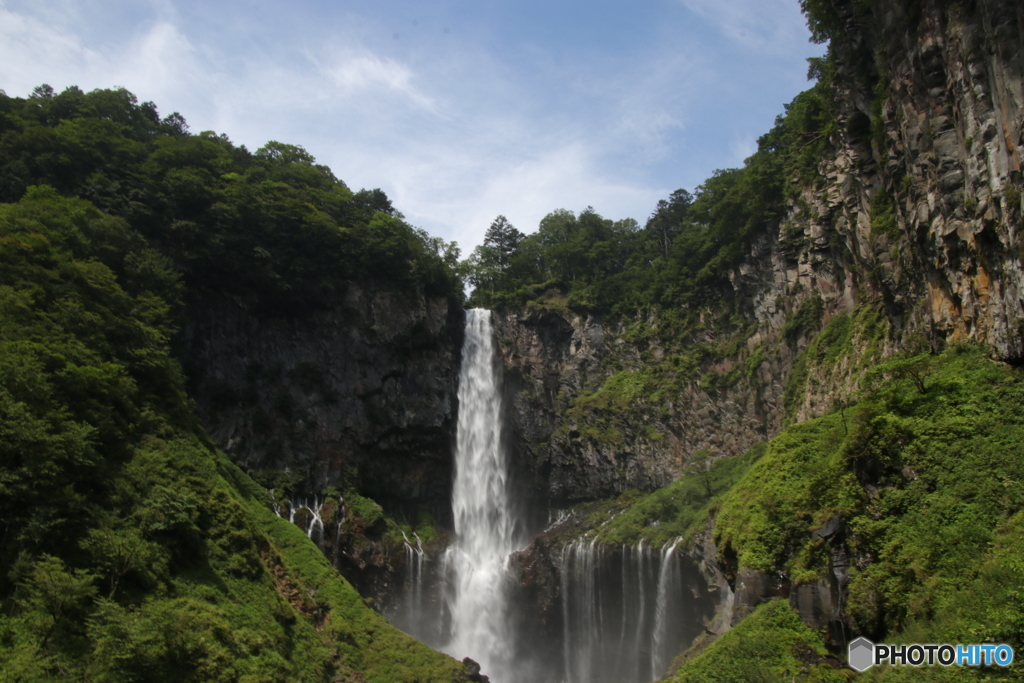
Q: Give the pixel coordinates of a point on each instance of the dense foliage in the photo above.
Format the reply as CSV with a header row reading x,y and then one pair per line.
x,y
131,550
272,227
677,511
924,472
772,645
85,374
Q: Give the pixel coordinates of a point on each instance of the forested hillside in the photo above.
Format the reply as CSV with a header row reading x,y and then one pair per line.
x,y
683,257
133,549
271,225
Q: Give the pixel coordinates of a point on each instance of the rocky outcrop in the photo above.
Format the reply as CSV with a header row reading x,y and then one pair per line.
x,y
362,392
921,204
704,554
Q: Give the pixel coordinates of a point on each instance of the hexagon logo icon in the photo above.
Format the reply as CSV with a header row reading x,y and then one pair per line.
x,y
861,654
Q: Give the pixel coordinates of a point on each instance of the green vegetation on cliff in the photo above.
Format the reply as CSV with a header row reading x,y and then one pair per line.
x,y
679,510
922,479
925,473
132,550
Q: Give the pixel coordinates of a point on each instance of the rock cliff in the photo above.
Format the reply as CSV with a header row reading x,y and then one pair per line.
x,y
553,358
359,393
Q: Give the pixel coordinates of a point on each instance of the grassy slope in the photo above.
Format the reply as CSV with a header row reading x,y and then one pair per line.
x,y
770,645
679,510
254,600
364,638
923,480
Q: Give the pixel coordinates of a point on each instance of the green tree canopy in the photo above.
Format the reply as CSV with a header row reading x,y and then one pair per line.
x,y
272,226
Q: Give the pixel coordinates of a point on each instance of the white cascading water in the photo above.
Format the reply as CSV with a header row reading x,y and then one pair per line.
x,y
414,565
668,578
619,626
582,616
484,528
313,523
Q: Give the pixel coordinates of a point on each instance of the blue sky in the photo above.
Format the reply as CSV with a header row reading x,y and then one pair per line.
x,y
459,109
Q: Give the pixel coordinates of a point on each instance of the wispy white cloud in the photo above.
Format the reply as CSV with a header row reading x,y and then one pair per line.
x,y
32,52
524,186
352,74
655,100
161,61
157,63
772,26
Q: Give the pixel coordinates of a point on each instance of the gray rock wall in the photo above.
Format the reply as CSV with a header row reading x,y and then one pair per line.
x,y
365,388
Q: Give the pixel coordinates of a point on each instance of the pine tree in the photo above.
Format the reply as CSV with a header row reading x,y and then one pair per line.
x,y
503,237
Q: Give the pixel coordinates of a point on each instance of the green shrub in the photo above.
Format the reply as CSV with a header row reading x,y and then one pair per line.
x,y
771,645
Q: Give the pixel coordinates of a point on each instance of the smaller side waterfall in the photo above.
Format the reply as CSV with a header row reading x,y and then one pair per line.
x,y
414,566
582,614
625,611
668,580
306,516
418,613
421,609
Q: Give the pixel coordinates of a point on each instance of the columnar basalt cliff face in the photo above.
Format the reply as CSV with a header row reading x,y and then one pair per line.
x,y
949,132
913,234
362,393
921,204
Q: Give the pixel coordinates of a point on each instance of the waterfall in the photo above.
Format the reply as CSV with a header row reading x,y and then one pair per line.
x,y
309,517
643,563
418,573
620,615
340,523
414,569
315,529
668,578
625,610
484,527
582,610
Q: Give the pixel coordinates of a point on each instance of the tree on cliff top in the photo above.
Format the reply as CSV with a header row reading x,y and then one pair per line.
x,y
503,237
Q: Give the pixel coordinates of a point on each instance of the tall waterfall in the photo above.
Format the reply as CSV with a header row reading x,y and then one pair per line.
x,y
484,527
619,613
